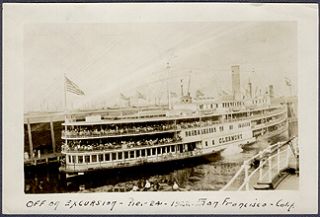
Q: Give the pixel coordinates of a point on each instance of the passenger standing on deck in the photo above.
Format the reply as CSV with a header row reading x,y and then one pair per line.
x,y
135,188
147,185
156,186
175,186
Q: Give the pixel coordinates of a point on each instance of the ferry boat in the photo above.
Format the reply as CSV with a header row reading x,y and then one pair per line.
x,y
190,128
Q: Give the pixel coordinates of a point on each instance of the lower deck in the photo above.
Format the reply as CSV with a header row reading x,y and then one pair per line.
x,y
128,158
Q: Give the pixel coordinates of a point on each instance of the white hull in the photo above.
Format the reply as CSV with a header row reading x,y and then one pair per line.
x,y
79,169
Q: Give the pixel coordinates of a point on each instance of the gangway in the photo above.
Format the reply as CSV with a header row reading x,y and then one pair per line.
x,y
267,169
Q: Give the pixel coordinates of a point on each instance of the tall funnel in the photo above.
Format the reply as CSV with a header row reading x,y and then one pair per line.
x,y
236,82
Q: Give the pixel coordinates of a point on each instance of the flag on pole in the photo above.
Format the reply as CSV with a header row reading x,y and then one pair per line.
x,y
140,95
124,97
199,94
225,93
72,87
288,82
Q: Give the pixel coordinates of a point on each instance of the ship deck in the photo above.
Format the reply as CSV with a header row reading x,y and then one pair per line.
x,y
291,182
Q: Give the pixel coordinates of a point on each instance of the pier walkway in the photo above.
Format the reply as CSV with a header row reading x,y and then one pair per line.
x,y
291,182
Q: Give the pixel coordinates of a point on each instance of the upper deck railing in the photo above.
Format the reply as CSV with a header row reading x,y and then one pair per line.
x,y
197,115
269,124
78,134
104,133
75,147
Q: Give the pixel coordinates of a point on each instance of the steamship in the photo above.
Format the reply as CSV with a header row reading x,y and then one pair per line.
x,y
190,128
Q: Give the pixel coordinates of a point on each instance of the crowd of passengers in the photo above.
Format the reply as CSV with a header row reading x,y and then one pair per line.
x,y
87,131
77,146
96,131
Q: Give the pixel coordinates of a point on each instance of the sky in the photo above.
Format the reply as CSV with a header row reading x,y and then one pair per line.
x,y
107,59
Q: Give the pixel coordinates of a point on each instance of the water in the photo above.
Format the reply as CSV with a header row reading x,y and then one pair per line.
x,y
200,174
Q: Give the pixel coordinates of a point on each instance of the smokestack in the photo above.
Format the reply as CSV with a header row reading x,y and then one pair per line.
x,y
236,82
271,91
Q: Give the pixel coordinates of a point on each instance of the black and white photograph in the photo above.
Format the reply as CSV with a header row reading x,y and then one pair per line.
x,y
158,106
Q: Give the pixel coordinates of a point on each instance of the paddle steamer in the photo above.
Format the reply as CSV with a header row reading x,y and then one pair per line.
x,y
188,129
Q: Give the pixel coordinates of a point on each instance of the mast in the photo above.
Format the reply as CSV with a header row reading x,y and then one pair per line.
x,y
181,86
168,91
250,88
189,84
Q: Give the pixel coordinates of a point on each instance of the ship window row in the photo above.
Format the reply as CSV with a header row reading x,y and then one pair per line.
x,y
121,155
259,101
207,142
202,131
207,106
230,138
231,104
241,125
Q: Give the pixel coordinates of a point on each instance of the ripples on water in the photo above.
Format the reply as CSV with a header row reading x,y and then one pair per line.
x,y
200,174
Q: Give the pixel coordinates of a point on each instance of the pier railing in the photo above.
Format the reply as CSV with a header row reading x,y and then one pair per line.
x,y
264,169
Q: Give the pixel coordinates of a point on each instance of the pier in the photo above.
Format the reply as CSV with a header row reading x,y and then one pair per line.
x,y
292,104
43,159
41,143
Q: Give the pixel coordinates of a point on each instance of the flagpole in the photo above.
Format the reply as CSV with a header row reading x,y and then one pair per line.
x,y
65,107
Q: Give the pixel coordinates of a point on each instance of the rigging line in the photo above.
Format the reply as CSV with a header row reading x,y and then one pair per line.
x,y
152,59
215,35
45,92
192,36
123,66
73,45
95,58
127,63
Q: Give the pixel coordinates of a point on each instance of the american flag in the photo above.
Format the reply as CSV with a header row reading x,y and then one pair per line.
x,y
72,87
199,93
288,82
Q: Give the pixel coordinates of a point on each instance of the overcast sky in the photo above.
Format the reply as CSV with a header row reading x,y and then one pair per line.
x,y
108,59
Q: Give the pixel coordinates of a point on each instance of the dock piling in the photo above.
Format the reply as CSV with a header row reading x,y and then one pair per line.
x,y
52,137
261,167
30,139
269,170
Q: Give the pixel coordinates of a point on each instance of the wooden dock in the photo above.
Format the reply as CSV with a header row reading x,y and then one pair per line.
x,y
43,159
